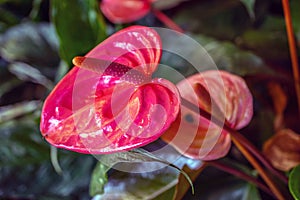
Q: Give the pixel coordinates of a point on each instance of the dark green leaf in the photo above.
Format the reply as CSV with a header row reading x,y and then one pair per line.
x,y
12,111
34,44
138,156
213,184
154,178
296,17
224,20
26,72
166,4
294,182
9,85
229,57
98,179
79,26
271,45
36,4
122,185
249,4
251,193
21,142
166,195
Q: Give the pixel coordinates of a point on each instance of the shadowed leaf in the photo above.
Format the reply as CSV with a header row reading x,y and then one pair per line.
x,y
78,33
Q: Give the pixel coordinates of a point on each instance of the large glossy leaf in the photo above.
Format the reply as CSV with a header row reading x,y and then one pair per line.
x,y
149,184
146,185
90,112
79,26
224,95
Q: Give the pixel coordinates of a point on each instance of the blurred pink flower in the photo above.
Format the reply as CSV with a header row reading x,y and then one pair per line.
x,y
125,11
228,99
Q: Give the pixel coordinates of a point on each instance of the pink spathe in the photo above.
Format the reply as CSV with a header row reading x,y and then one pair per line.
x,y
95,110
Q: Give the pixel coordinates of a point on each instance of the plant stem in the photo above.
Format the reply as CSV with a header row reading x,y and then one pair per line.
x,y
240,145
259,169
240,174
167,21
258,155
292,47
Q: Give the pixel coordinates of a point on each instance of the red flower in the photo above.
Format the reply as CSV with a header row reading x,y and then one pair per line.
x,y
224,95
108,103
125,11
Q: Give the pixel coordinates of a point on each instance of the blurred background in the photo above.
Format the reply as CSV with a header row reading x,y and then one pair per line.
x,y
39,38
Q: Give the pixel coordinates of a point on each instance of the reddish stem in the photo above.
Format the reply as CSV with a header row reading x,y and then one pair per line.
x,y
250,147
240,174
292,47
167,21
266,177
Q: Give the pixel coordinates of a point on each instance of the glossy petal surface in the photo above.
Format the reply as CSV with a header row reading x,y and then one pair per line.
x,y
231,96
90,112
223,94
125,11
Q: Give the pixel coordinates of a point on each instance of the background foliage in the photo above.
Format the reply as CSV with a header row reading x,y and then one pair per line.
x,y
38,39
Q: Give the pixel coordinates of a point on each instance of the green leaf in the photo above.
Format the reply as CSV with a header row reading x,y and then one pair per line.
x,y
149,185
229,57
251,193
79,26
157,184
99,179
7,86
296,17
213,184
167,4
21,142
294,182
12,111
225,20
139,155
249,4
32,43
26,72
271,45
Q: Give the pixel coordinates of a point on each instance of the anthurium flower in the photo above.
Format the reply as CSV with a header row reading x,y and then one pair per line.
x,y
225,96
108,102
125,11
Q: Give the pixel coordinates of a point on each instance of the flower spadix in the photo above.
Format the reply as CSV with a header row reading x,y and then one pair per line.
x,y
108,102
